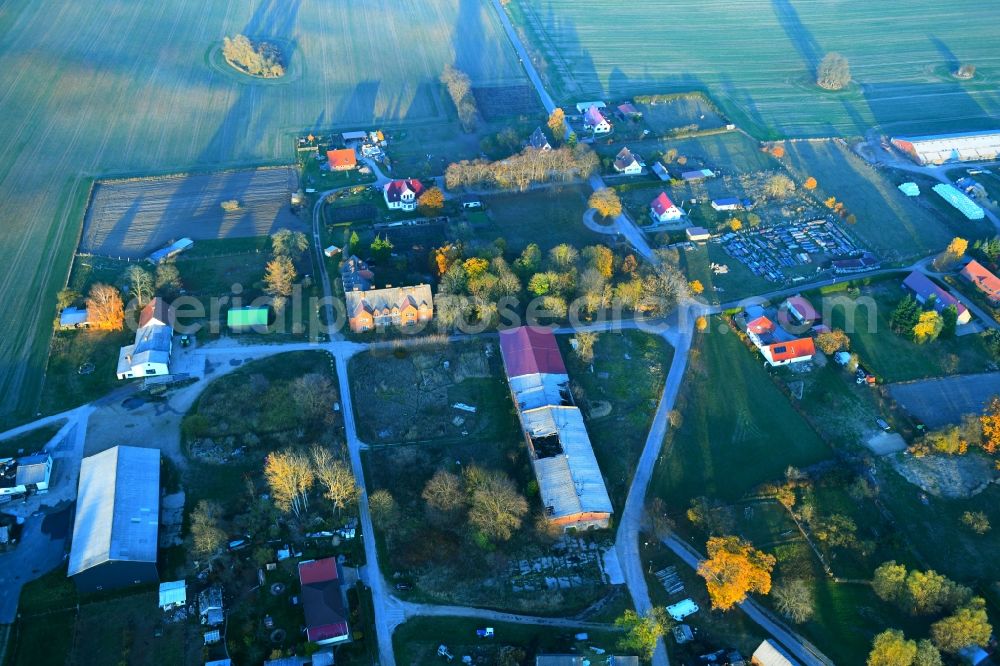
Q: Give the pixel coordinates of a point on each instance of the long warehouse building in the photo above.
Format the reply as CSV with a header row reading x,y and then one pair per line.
x,y
569,479
941,148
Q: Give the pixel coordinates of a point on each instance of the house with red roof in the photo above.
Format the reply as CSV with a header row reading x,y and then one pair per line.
x,y
343,159
984,279
323,602
776,345
926,291
662,209
403,194
594,121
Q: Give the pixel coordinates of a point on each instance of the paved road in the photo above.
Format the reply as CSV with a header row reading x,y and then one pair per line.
x,y
430,610
793,642
41,550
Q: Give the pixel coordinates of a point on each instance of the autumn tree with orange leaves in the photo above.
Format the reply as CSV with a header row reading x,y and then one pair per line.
x,y
105,308
990,421
733,570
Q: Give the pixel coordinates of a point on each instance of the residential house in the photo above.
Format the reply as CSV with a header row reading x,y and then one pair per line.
x,y
770,653
727,203
72,317
395,306
343,159
355,275
697,234
984,279
594,121
248,318
150,354
27,474
776,345
323,601
403,194
926,291
581,107
539,141
628,163
662,209
570,483
117,519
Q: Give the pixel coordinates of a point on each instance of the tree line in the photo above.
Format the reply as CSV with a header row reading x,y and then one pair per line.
x,y
257,59
522,170
459,88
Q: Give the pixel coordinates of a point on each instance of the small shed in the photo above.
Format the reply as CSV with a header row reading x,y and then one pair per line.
x,y
661,171
74,318
682,609
354,136
910,189
247,318
769,653
213,637
331,251
173,594
697,234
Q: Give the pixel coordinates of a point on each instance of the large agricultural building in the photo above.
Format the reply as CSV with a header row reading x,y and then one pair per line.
x,y
117,519
569,478
941,148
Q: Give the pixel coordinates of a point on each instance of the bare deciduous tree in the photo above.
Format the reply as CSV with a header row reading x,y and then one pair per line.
x,y
105,309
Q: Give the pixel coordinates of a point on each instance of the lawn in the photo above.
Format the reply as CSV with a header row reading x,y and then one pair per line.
x,y
410,394
893,358
900,56
628,372
65,387
151,97
738,430
416,641
29,442
738,282
895,226
548,217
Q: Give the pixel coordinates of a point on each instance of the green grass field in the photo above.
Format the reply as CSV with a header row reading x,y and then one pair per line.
x,y
738,429
85,96
548,217
757,59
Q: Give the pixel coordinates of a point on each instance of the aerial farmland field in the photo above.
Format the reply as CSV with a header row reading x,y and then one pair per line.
x,y
86,97
757,58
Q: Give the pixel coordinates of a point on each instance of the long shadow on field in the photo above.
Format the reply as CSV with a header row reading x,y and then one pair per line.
x,y
798,34
925,107
118,238
579,74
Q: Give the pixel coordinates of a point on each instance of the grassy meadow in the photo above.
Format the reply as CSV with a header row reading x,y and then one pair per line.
x,y
145,93
757,59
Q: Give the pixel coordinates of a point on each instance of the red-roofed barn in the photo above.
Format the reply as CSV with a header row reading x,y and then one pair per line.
x,y
323,602
984,279
342,159
529,351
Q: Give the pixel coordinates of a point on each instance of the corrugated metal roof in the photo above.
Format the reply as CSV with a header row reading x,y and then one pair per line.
x,y
117,508
33,469
528,351
769,653
539,389
569,482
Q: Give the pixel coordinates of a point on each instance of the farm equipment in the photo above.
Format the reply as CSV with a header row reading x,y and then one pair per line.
x,y
485,633
443,652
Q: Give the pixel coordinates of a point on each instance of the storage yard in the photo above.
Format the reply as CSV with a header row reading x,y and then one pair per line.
x,y
133,218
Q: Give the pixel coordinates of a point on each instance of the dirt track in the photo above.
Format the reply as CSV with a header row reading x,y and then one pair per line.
x,y
133,218
939,402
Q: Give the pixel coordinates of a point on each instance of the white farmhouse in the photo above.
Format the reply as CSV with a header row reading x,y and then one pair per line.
x,y
154,340
403,194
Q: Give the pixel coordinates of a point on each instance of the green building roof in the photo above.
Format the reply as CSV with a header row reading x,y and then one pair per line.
x,y
246,317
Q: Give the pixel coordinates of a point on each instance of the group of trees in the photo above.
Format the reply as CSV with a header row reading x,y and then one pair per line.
x,y
460,90
557,125
522,170
280,273
104,303
779,186
910,320
292,474
261,59
564,281
928,593
105,309
734,569
606,202
834,72
980,432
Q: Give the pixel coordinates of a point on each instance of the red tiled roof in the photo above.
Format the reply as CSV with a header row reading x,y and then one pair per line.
x,y
395,189
784,351
983,278
527,351
343,158
594,117
322,602
760,326
156,309
661,204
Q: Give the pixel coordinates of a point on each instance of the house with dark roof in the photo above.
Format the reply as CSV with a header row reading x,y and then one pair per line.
x,y
661,171
984,280
150,354
539,141
926,292
355,275
628,163
594,121
343,159
402,194
570,482
323,602
662,209
391,306
727,203
117,519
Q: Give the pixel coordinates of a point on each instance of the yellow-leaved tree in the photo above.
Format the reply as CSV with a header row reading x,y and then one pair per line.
x,y
733,570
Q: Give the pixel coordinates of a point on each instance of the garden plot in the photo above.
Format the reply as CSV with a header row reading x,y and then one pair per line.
x,y
944,401
135,217
452,392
